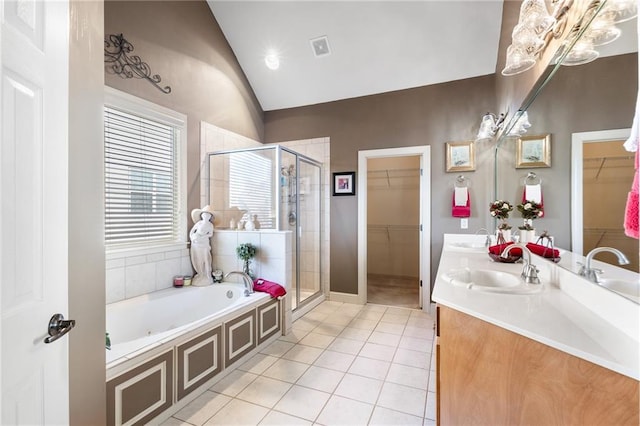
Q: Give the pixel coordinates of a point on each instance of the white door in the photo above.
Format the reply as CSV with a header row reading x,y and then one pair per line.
x,y
33,217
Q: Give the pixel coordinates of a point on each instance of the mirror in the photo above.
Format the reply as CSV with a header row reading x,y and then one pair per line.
x,y
597,96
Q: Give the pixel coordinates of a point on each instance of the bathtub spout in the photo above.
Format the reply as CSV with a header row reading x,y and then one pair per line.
x,y
248,282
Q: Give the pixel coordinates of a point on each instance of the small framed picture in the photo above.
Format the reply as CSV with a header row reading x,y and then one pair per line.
x,y
344,183
461,157
533,151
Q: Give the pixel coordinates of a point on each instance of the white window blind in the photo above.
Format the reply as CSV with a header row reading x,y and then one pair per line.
x,y
250,186
141,179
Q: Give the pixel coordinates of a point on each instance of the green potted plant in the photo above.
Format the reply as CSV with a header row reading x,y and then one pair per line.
x,y
246,252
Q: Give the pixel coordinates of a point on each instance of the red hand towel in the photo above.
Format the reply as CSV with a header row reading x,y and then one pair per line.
x,y
274,289
543,251
461,211
499,248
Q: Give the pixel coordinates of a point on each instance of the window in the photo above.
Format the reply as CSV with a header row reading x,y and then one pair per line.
x,y
143,173
250,185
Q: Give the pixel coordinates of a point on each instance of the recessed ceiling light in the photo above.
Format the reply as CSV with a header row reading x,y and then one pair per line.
x,y
272,61
320,46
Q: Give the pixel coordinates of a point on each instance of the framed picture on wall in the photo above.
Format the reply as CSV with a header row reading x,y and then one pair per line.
x,y
533,151
344,183
461,157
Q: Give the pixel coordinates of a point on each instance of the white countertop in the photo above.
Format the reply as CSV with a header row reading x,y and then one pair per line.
x,y
570,314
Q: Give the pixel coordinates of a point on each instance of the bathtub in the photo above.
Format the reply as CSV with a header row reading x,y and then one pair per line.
x,y
171,342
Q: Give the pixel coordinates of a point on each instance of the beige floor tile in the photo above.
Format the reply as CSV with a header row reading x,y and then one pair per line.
x,y
329,329
277,348
305,324
419,332
238,413
403,398
430,411
350,309
234,383
335,360
302,353
384,416
172,421
370,315
394,319
377,351
374,308
339,319
384,338
372,368
403,312
355,334
322,379
344,411
364,324
201,409
317,340
316,316
408,376
424,322
295,335
303,402
264,391
360,388
286,370
276,418
429,422
388,327
258,363
326,309
415,344
412,358
347,346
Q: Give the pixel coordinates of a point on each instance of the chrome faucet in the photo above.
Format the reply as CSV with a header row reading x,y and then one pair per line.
x,y
592,274
487,241
248,282
529,272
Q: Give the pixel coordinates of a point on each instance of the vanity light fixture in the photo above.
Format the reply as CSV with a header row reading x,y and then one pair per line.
x,y
489,126
521,126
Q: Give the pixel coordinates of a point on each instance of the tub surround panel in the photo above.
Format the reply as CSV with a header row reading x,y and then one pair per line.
x,y
239,337
268,320
199,360
142,393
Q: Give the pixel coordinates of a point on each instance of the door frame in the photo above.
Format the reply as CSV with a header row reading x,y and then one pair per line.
x,y
424,152
577,141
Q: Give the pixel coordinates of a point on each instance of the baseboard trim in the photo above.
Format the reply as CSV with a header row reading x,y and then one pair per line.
x,y
336,296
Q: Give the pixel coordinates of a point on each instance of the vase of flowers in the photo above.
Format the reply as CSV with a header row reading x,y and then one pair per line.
x,y
529,210
500,210
246,252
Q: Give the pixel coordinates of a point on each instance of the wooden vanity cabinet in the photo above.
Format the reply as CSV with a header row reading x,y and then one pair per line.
x,y
487,375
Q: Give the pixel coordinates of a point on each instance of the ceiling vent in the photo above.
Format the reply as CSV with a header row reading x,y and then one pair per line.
x,y
320,46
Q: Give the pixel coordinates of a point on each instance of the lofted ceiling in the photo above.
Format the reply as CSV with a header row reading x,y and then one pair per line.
x,y
375,46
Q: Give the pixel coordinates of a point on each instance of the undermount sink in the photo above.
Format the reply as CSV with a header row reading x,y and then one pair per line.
x,y
630,289
491,281
468,245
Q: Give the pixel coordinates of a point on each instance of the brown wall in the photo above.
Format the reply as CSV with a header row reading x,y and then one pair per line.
x,y
430,115
182,42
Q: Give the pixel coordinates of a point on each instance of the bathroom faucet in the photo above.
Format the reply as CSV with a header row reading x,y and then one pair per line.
x,y
248,282
487,241
592,273
529,272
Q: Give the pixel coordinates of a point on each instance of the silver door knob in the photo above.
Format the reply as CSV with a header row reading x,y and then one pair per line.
x,y
58,327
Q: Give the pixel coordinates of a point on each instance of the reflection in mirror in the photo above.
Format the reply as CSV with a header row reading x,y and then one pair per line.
x,y
593,97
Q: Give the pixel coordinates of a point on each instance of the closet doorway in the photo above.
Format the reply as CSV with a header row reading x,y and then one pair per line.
x,y
393,227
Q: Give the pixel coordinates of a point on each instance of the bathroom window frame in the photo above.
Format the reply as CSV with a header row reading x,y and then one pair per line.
x,y
130,104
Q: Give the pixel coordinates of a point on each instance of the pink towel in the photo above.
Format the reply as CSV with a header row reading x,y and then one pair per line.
x,y
461,211
632,210
274,289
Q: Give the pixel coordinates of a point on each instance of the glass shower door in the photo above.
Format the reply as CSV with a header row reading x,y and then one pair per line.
x,y
308,241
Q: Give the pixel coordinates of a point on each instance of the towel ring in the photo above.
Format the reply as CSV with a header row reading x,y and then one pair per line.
x,y
461,182
532,179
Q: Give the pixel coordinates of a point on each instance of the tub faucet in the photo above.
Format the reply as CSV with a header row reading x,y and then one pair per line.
x,y
248,282
529,272
487,241
592,274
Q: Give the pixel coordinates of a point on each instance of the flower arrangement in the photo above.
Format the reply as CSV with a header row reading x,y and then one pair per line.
x,y
500,210
529,210
245,252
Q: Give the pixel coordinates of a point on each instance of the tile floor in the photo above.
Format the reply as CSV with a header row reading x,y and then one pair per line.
x,y
341,364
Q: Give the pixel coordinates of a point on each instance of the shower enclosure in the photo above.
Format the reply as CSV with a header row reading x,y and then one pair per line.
x,y
278,189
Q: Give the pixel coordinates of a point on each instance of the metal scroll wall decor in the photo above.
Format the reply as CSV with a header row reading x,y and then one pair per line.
x,y
118,61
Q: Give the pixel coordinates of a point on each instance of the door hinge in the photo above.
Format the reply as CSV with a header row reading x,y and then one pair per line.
x,y
420,283
420,227
421,170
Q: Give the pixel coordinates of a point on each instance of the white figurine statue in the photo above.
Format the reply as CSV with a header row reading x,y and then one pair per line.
x,y
200,236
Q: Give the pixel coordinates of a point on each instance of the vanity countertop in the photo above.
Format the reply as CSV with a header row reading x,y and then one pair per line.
x,y
569,314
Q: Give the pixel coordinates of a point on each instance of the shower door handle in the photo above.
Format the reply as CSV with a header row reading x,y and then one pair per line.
x,y
58,327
